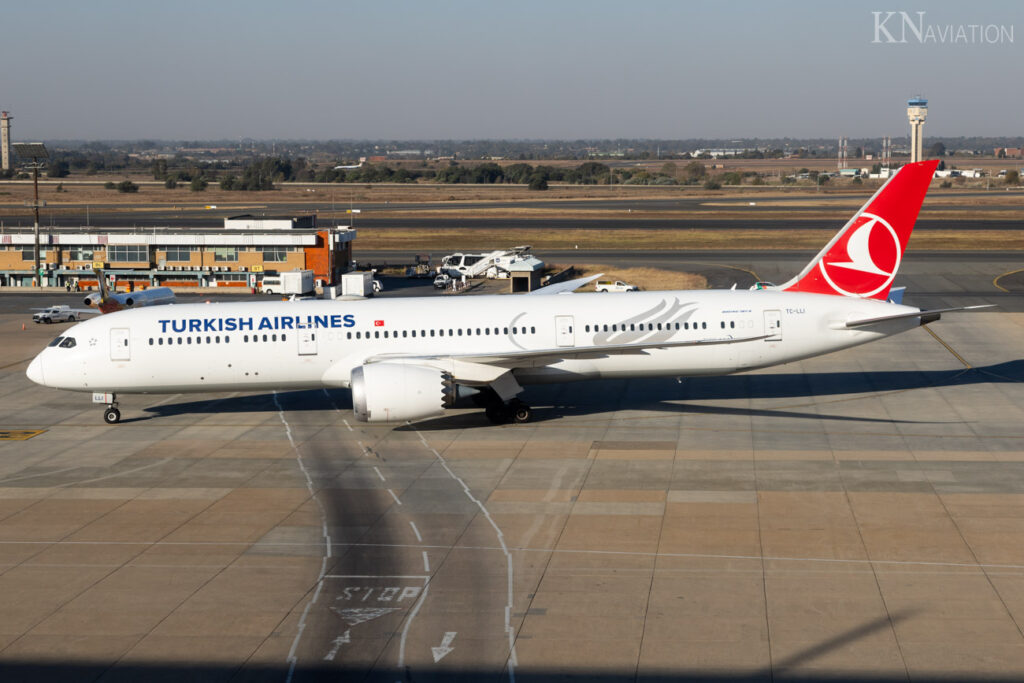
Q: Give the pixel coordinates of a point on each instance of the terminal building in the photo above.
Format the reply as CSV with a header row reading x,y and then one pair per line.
x,y
237,256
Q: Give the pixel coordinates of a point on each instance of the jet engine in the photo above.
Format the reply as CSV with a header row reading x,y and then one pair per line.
x,y
396,392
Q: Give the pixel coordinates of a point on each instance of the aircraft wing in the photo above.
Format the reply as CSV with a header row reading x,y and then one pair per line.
x,y
535,357
926,316
566,287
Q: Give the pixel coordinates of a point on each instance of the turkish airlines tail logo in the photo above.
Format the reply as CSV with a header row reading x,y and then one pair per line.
x,y
862,259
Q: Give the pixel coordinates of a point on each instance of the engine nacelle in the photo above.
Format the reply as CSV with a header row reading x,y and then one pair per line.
x,y
396,392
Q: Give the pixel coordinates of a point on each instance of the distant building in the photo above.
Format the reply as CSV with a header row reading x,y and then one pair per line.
x,y
175,257
259,223
1009,152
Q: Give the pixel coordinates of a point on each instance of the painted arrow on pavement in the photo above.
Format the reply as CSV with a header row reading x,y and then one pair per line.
x,y
445,648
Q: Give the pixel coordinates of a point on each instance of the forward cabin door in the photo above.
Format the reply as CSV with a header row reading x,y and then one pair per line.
x,y
120,348
307,341
564,334
773,325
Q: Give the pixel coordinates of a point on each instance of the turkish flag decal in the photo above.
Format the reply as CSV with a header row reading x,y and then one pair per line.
x,y
378,323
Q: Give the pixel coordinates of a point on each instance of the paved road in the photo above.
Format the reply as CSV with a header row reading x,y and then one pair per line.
x,y
853,517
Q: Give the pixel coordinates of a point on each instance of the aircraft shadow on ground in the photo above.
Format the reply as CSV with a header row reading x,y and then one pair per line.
x,y
41,672
655,394
785,668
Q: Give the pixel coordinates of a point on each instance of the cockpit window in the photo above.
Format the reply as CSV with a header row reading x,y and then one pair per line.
x,y
56,341
68,343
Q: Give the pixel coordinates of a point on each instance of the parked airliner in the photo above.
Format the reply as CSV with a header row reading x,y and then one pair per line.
x,y
409,359
108,302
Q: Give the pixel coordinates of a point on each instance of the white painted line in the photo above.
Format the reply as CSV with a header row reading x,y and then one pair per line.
x,y
327,545
423,577
115,474
408,623
509,630
41,474
347,425
416,531
85,481
160,403
378,473
394,496
426,562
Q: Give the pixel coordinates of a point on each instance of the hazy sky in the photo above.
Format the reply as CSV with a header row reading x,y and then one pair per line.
x,y
523,69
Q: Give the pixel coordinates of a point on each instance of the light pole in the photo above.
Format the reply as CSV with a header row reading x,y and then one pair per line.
x,y
34,151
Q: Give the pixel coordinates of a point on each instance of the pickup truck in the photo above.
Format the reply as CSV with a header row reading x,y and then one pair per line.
x,y
614,286
56,314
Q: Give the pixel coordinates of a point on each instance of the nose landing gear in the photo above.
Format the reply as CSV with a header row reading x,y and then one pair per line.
x,y
111,415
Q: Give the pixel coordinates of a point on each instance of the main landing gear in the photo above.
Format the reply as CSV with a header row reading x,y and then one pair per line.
x,y
513,411
112,415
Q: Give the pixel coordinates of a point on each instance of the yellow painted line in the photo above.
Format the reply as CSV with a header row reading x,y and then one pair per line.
x,y
19,434
17,362
997,278
948,347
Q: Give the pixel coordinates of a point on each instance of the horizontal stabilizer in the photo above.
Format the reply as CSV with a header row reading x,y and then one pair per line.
x,y
925,316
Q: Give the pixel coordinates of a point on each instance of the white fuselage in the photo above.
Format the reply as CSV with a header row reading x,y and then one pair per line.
x,y
317,343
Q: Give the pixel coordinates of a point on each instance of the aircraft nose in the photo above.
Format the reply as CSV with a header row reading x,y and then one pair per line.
x,y
35,370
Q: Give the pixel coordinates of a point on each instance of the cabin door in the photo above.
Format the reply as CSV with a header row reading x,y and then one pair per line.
x,y
307,341
564,334
119,344
773,325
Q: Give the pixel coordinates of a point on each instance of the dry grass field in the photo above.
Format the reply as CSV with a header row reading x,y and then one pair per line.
x,y
649,279
744,205
626,239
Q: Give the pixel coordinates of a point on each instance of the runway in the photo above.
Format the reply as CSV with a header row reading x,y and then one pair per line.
x,y
855,516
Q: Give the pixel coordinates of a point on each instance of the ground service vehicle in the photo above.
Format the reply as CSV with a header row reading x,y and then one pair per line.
x,y
57,314
288,282
614,286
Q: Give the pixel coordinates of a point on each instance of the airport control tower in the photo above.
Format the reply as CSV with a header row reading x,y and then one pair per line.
x,y
917,112
5,141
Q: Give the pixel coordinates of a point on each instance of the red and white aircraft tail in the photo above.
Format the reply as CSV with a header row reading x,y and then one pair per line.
x,y
862,259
